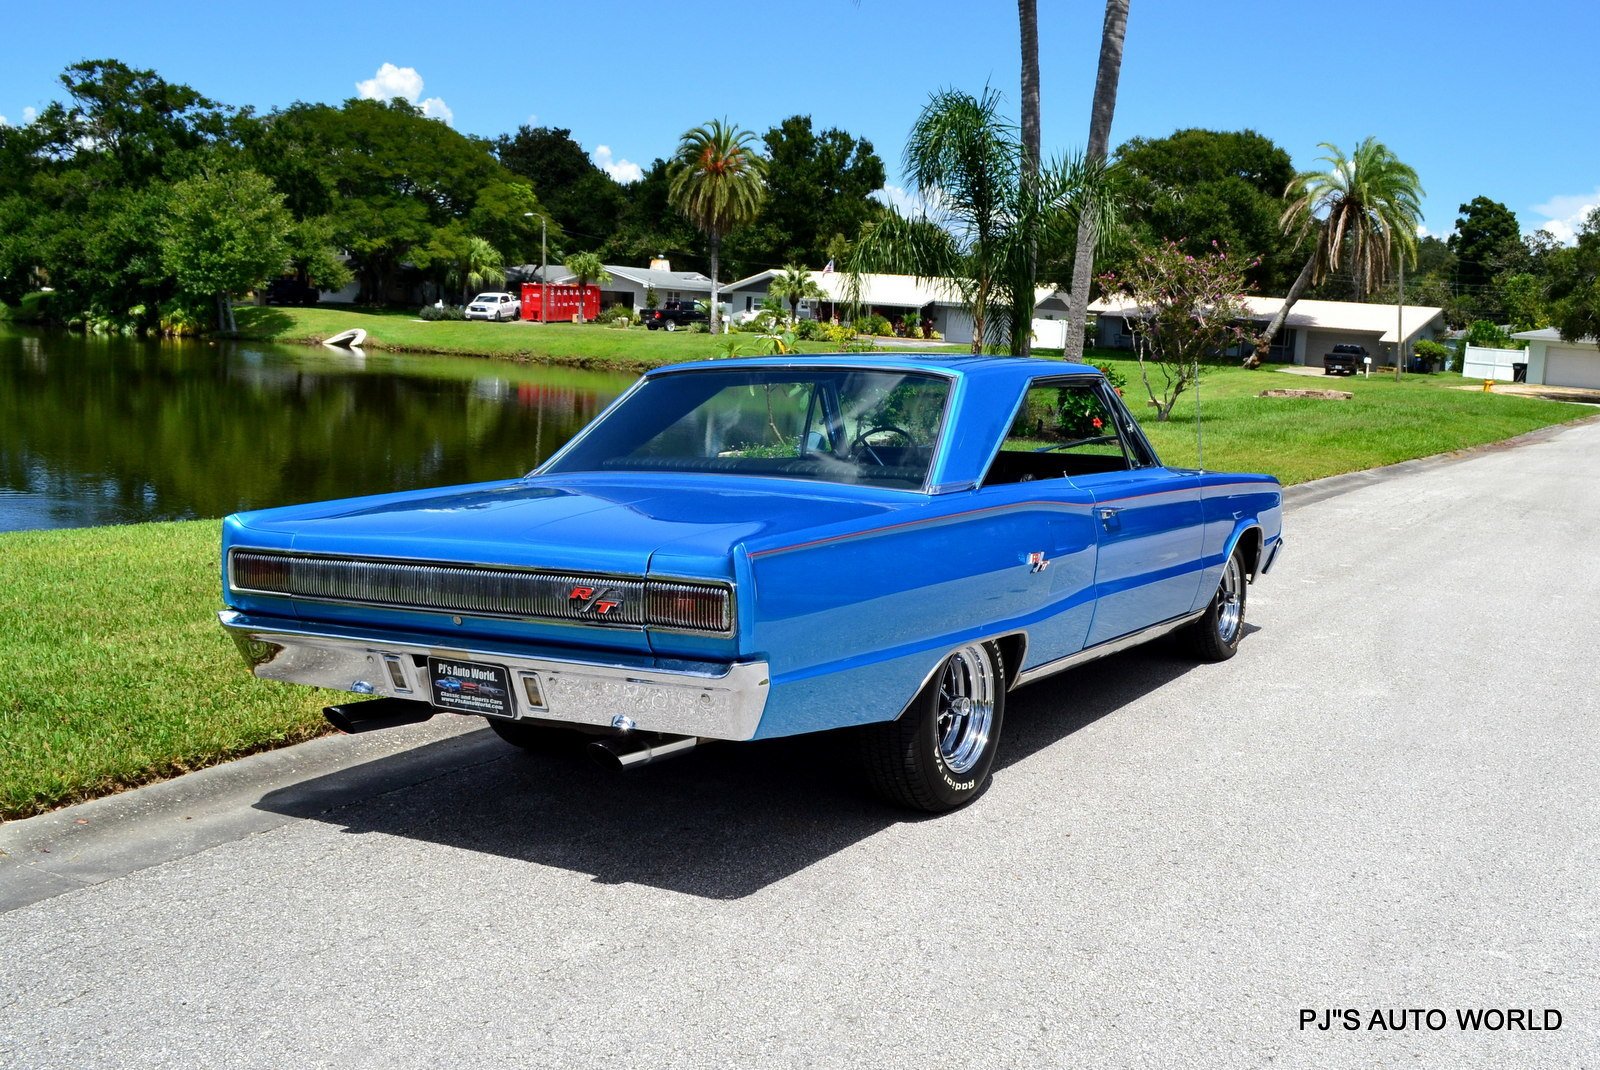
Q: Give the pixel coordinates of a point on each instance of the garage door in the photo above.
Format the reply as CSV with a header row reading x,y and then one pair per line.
x,y
1572,367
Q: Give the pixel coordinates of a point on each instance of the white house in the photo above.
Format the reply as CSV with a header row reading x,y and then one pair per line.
x,y
1554,362
629,284
891,296
1311,331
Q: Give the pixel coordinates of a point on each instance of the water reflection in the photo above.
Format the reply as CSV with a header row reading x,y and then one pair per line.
x,y
110,431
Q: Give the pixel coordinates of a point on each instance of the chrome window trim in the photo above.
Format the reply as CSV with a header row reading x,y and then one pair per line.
x,y
951,379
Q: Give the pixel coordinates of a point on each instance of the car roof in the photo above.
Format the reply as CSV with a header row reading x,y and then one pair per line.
x,y
986,371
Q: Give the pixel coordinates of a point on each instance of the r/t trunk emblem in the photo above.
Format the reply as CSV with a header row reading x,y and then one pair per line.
x,y
597,600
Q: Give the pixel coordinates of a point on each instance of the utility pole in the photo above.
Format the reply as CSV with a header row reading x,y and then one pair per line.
x,y
544,270
1400,321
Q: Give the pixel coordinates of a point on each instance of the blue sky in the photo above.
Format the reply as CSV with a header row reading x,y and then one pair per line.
x,y
1498,100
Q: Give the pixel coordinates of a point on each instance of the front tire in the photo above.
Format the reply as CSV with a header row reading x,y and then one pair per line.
x,y
672,325
938,755
1215,636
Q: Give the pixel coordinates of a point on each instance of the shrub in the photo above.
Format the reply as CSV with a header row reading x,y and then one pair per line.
x,y
1114,377
699,328
618,315
1433,353
808,330
447,312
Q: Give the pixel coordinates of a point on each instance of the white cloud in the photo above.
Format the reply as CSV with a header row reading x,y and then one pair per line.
x,y
1423,231
911,205
405,83
4,121
434,108
623,171
29,114
1564,214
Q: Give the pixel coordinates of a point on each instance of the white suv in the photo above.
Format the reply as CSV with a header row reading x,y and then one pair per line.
x,y
494,306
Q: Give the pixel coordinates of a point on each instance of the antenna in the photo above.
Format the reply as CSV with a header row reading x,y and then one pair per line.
x,y
1199,442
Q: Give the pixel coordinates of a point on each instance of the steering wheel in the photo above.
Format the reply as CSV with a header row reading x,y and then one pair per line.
x,y
861,447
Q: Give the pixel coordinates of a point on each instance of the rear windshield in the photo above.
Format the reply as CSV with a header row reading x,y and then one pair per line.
x,y
832,425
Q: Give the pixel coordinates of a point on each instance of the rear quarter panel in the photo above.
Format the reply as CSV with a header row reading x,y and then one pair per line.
x,y
1235,504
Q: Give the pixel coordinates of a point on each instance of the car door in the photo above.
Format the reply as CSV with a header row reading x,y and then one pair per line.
x,y
1150,527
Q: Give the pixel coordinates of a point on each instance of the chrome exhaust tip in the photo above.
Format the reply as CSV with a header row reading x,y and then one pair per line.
x,y
635,749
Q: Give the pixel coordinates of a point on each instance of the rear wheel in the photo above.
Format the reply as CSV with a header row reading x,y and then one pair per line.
x,y
1215,636
672,325
939,754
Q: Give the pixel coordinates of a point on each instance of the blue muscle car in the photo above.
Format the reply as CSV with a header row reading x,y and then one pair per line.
x,y
742,549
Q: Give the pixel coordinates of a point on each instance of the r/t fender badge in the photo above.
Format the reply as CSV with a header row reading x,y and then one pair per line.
x,y
1037,562
597,600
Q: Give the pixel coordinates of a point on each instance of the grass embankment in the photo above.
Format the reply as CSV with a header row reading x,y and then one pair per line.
x,y
113,670
584,345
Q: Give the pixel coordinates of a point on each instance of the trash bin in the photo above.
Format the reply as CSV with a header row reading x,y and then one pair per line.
x,y
1416,364
1519,372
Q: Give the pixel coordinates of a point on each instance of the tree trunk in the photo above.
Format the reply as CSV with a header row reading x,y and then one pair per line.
x,y
233,324
716,249
1104,106
1028,19
1264,339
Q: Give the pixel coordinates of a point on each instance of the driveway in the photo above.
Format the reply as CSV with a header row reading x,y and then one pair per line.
x,y
1386,801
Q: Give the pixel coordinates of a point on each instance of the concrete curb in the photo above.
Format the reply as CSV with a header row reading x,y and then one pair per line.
x,y
111,837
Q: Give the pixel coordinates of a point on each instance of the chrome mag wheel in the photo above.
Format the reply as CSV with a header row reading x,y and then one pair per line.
x,y
1230,601
965,709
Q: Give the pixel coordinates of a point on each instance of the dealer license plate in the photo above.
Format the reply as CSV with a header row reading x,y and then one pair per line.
x,y
471,687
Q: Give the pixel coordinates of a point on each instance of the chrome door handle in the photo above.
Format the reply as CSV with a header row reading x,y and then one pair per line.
x,y
1108,514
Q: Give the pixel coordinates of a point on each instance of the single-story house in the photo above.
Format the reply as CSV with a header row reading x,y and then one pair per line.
x,y
1554,362
892,296
1311,331
628,285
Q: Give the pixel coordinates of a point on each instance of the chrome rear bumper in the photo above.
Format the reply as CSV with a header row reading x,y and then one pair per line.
x,y
711,701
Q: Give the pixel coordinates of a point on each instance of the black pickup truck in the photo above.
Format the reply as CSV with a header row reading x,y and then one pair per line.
x,y
1344,360
672,315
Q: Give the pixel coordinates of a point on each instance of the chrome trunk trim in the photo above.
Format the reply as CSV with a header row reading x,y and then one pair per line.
x,y
1110,646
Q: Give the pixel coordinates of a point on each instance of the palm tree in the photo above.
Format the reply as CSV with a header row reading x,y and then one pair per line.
x,y
795,284
980,223
1101,110
1363,209
477,264
1028,21
718,181
586,266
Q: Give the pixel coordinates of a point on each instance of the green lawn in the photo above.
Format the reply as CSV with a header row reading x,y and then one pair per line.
x,y
590,345
113,670
1297,439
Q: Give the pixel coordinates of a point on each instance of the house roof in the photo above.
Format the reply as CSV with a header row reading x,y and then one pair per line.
x,y
661,280
896,291
1550,334
1322,315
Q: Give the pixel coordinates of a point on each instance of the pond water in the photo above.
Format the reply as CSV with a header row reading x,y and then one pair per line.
x,y
116,431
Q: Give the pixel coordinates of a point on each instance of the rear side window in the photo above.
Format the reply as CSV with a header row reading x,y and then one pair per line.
x,y
1067,427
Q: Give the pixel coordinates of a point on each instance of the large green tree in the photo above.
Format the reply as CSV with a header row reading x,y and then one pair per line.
x,y
582,199
794,284
1487,242
719,182
1576,284
981,222
819,185
1359,214
224,232
1207,189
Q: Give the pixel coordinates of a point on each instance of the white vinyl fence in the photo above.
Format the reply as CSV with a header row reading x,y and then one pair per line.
x,y
1481,362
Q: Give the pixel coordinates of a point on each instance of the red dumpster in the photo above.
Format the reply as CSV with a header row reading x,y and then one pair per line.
x,y
565,301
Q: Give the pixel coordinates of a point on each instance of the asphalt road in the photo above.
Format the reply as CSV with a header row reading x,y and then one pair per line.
x,y
1386,801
